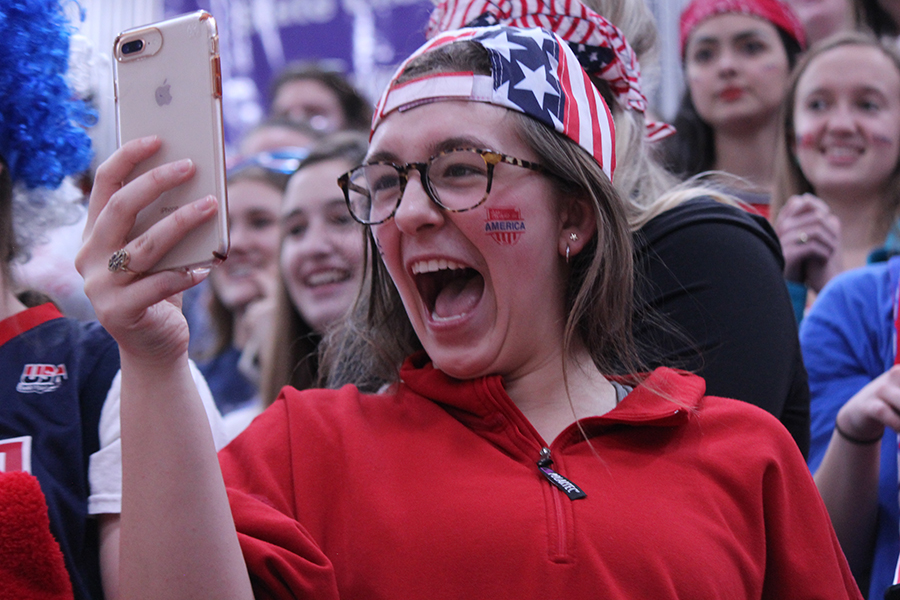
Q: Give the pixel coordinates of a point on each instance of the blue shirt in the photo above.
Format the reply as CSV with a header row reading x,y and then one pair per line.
x,y
848,339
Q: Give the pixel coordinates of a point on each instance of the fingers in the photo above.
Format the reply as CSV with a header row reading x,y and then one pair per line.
x,y
810,237
117,218
147,249
114,171
874,407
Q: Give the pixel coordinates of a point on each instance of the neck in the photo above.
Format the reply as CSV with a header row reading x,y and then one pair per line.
x,y
9,304
550,405
862,229
748,153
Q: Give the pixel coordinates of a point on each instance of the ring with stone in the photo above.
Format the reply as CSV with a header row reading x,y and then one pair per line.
x,y
802,238
118,262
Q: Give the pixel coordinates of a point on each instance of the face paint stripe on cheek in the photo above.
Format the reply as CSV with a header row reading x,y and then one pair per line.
x,y
505,225
807,140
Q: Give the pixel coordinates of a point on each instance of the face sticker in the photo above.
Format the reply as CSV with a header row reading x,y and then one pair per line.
x,y
505,225
807,140
882,140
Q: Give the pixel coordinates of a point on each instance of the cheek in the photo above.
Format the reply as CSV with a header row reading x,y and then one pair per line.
x,y
805,141
386,240
807,129
286,260
351,246
774,66
883,141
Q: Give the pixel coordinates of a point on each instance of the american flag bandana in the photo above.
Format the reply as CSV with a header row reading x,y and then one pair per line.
x,y
532,71
600,46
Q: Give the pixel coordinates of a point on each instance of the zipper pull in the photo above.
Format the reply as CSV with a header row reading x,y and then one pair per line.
x,y
564,485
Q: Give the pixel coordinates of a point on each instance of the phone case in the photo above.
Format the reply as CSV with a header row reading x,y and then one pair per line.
x,y
168,83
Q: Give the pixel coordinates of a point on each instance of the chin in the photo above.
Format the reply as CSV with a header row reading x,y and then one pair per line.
x,y
461,364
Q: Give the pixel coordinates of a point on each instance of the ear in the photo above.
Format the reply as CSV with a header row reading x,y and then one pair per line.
x,y
578,224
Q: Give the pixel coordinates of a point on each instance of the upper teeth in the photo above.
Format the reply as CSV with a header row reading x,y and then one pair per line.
x,y
439,264
325,277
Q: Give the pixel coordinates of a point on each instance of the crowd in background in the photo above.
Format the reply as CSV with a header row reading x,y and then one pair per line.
x,y
752,243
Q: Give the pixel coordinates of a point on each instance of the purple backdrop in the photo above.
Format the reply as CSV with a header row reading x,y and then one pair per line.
x,y
364,38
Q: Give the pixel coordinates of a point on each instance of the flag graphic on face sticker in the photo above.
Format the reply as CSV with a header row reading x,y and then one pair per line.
x,y
532,71
505,225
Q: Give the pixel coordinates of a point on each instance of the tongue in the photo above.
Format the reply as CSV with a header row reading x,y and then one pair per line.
x,y
458,296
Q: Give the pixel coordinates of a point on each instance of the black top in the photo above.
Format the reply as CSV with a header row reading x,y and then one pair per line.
x,y
711,299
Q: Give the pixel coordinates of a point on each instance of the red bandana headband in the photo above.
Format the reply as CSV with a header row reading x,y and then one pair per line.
x,y
532,72
599,45
775,12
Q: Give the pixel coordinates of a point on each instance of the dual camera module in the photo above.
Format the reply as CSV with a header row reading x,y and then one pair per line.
x,y
132,46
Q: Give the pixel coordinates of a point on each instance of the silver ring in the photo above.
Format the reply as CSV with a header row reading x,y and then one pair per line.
x,y
802,238
118,262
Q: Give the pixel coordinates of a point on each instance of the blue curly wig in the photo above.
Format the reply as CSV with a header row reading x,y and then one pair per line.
x,y
42,124
42,135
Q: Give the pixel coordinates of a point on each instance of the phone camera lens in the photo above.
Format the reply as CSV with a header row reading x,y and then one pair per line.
x,y
132,47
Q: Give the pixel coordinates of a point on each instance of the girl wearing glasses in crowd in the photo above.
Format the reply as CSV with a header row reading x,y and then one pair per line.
x,y
737,57
502,460
710,291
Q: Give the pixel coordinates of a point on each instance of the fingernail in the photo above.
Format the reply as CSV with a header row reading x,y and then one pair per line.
x,y
206,204
184,165
149,140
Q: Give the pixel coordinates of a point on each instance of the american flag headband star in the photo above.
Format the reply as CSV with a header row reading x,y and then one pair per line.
x,y
532,71
600,46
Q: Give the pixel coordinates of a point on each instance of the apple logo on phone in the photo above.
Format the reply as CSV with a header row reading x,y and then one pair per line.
x,y
163,94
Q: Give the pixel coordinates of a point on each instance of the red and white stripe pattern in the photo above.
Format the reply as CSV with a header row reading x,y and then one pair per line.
x,y
585,30
533,72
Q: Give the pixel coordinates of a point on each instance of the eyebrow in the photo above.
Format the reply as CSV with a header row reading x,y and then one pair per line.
x,y
443,146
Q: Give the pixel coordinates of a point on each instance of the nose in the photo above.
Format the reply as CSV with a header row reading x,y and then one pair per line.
x,y
726,62
315,241
416,210
841,119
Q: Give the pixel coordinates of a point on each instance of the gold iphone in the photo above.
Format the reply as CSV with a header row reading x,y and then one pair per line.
x,y
168,83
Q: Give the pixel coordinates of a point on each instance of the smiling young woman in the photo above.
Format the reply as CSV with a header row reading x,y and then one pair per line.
x,y
502,459
838,184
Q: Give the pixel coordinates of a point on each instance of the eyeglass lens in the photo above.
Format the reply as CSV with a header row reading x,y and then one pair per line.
x,y
456,180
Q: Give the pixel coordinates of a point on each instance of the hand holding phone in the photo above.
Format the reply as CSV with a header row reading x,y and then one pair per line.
x,y
168,83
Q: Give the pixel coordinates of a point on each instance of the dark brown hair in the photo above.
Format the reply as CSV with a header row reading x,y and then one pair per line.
x,y
692,150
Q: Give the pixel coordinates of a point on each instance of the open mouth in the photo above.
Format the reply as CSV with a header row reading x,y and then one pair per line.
x,y
449,289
